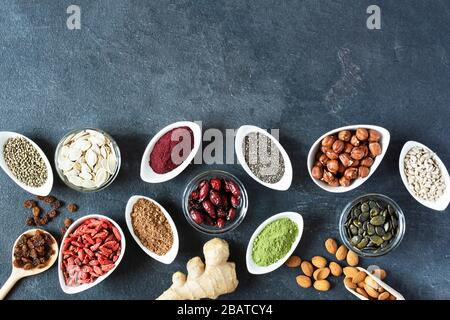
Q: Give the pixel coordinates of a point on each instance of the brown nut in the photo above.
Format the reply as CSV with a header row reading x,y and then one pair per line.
x,y
355,163
293,262
341,252
331,246
334,183
348,148
322,285
348,282
352,258
319,262
333,166
338,146
318,164
328,141
344,182
344,135
303,281
362,134
362,292
323,159
363,171
328,177
354,141
331,154
346,159
375,148
341,168
351,173
317,172
335,269
374,135
358,153
307,268
321,273
367,162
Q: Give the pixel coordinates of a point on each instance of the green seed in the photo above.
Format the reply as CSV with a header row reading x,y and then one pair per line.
x,y
355,240
363,243
370,229
353,230
387,237
372,204
365,207
379,231
377,221
374,212
376,239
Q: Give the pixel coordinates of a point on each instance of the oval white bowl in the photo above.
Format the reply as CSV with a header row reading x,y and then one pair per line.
x,y
83,287
251,265
286,180
384,141
383,284
43,190
440,204
147,173
172,253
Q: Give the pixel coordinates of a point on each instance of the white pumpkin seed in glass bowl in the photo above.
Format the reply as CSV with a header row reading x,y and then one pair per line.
x,y
87,160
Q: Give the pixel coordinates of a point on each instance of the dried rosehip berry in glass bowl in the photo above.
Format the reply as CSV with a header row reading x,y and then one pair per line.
x,y
215,202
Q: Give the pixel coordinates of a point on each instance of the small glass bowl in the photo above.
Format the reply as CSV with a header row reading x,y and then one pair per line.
x,y
379,252
241,211
81,189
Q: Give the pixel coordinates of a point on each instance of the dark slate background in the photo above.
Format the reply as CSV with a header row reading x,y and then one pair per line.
x,y
304,67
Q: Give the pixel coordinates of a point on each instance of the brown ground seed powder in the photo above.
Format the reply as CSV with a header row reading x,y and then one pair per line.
x,y
151,227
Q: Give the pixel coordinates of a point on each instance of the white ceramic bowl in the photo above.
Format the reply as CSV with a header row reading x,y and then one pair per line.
x,y
251,265
440,204
43,190
172,253
384,141
380,282
147,173
83,287
286,180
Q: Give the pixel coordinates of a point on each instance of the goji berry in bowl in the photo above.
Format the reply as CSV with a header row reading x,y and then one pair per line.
x,y
215,202
90,251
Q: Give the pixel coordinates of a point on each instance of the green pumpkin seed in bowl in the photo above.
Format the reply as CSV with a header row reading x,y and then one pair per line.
x,y
372,225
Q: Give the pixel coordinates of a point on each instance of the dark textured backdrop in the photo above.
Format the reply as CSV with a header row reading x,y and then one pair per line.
x,y
305,67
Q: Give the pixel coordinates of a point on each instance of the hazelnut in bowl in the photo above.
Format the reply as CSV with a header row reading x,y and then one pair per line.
x,y
344,158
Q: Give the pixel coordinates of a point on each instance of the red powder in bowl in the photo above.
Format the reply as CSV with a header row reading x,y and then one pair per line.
x,y
171,149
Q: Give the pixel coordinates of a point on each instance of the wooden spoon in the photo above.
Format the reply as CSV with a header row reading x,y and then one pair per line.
x,y
19,273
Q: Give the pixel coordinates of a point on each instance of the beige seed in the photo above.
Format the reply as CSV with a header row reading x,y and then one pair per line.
x,y
303,281
341,253
319,262
352,258
321,274
384,296
350,271
359,277
336,269
348,282
307,268
293,262
331,246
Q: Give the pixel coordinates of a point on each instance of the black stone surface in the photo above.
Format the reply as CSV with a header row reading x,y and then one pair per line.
x,y
304,67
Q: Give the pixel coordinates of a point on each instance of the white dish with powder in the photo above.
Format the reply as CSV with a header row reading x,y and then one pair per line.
x,y
252,267
285,182
147,173
43,190
443,201
170,255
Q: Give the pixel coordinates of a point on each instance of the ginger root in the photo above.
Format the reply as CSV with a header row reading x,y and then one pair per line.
x,y
215,278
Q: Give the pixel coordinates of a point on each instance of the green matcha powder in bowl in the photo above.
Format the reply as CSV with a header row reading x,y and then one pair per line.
x,y
273,242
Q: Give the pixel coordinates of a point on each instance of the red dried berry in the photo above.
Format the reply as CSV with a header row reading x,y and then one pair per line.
x,y
209,208
221,213
215,198
220,223
233,188
225,202
235,202
196,216
204,191
215,183
194,195
231,214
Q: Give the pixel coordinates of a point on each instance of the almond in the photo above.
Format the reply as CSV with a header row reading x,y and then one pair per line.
x,y
350,271
307,268
361,284
371,291
384,296
331,246
321,274
336,269
381,290
370,282
379,273
352,258
319,262
359,277
341,253
362,292
392,297
322,285
349,283
293,262
303,281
